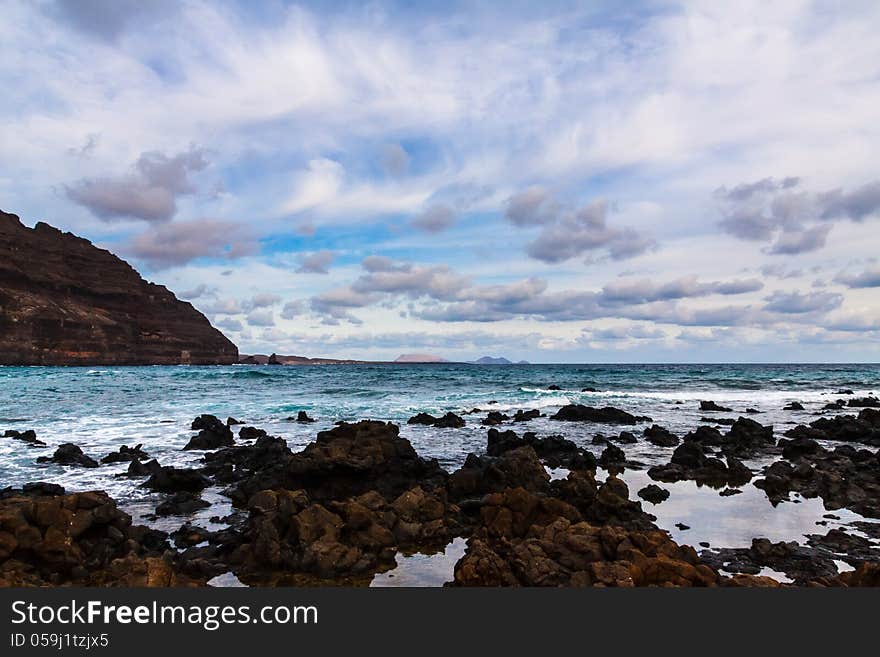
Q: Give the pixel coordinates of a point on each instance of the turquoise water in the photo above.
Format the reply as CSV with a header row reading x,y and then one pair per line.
x,y
101,408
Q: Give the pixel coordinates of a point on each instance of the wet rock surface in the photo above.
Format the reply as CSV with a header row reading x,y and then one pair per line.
x,y
346,506
69,454
606,415
49,538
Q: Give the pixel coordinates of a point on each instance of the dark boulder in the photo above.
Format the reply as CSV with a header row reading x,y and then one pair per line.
x,y
525,416
709,436
864,402
712,406
168,479
29,436
138,469
448,421
607,415
125,454
793,406
487,474
251,433
654,494
494,418
555,451
660,436
181,503
612,457
213,435
625,438
69,454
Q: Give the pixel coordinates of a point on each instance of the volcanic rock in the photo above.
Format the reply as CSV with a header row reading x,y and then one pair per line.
x,y
64,301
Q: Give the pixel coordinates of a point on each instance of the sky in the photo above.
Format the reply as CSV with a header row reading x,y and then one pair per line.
x,y
555,182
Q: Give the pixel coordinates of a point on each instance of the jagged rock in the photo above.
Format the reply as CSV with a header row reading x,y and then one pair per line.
x,y
800,563
863,428
746,437
125,454
689,461
842,478
660,436
494,418
302,416
626,438
612,457
864,402
712,406
707,436
726,421
138,469
181,503
488,474
607,415
69,454
525,416
168,479
566,553
346,461
79,539
448,421
213,434
29,436
231,421
654,494
251,433
64,301
793,406
555,451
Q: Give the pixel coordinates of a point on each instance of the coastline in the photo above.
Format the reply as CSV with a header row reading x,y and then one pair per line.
x,y
335,528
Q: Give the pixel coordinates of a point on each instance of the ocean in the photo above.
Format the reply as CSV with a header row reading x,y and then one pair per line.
x,y
101,408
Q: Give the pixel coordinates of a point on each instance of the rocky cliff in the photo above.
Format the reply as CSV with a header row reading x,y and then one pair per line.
x,y
64,301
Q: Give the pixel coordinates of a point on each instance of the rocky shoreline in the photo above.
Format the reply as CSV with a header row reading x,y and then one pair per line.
x,y
349,504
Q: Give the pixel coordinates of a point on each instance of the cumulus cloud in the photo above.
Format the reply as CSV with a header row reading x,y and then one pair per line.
x,y
566,234
436,281
181,242
868,278
316,263
534,206
791,242
261,318
795,220
645,291
799,302
200,291
435,219
261,300
149,193
229,324
855,205
293,309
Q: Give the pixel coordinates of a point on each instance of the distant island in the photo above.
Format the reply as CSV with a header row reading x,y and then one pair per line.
x,y
489,360
419,358
64,301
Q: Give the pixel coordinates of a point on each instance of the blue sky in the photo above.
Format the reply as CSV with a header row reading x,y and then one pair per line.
x,y
557,182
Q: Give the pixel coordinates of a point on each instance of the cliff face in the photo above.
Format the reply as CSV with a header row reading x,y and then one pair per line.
x,y
64,301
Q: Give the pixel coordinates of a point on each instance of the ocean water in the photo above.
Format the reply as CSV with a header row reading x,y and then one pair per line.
x,y
101,408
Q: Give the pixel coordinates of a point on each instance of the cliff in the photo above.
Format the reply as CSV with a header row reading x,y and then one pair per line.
x,y
64,301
